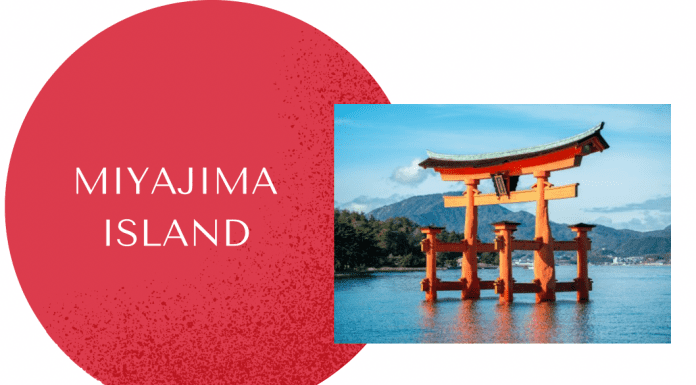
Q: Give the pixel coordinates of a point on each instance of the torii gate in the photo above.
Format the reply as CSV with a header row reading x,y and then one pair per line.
x,y
505,168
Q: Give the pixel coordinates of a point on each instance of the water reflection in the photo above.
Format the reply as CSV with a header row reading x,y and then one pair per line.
x,y
428,316
468,326
543,326
583,331
488,321
389,308
505,330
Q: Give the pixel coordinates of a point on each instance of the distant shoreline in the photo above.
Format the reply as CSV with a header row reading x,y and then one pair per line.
x,y
371,270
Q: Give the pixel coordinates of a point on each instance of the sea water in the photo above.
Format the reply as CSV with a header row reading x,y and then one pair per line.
x,y
628,304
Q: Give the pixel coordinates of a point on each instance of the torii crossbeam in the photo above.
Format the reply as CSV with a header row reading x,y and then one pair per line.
x,y
505,168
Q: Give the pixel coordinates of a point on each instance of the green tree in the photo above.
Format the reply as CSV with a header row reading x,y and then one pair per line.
x,y
489,258
354,245
347,254
366,242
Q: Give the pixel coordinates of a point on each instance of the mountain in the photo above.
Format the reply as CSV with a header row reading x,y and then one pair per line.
x,y
365,204
430,210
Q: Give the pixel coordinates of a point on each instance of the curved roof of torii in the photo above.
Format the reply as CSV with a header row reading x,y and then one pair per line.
x,y
493,158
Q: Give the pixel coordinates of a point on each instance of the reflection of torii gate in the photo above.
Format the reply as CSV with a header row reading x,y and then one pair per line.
x,y
505,169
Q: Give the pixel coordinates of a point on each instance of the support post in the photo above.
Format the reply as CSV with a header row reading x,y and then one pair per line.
x,y
582,281
472,290
544,264
428,245
504,230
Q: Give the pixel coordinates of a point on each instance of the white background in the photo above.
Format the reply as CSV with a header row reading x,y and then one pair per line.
x,y
442,52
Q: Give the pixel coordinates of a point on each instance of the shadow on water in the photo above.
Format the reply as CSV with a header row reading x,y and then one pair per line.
x,y
558,322
357,276
487,321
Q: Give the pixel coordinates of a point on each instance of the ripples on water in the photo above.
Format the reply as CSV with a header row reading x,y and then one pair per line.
x,y
628,304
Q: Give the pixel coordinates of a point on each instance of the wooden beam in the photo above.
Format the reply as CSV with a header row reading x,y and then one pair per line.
x,y
566,286
550,193
554,166
559,160
461,177
517,287
570,286
453,247
449,285
526,288
565,245
485,247
526,245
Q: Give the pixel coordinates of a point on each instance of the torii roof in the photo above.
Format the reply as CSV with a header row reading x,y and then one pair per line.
x,y
445,161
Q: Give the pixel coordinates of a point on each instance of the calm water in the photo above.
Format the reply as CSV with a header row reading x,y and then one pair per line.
x,y
628,304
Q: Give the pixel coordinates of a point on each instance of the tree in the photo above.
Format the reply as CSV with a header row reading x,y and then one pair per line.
x,y
412,260
489,258
354,244
347,254
366,242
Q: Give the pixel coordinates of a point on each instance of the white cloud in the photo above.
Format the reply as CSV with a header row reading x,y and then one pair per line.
x,y
641,221
366,204
411,175
663,204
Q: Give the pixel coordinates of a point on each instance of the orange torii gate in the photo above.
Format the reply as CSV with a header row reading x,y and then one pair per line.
x,y
505,168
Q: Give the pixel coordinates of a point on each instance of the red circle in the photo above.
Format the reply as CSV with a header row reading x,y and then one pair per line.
x,y
192,85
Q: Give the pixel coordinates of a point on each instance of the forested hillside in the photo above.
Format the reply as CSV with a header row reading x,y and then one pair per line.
x,y
362,242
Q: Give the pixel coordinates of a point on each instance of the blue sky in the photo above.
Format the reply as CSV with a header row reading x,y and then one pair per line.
x,y
377,148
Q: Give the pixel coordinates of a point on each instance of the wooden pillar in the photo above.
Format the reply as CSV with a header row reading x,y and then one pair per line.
x,y
469,258
429,284
544,264
582,281
503,231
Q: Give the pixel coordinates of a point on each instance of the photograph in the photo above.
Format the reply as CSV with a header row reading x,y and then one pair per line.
x,y
486,224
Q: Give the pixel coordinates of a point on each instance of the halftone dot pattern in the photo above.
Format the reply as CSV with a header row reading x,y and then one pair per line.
x,y
191,85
